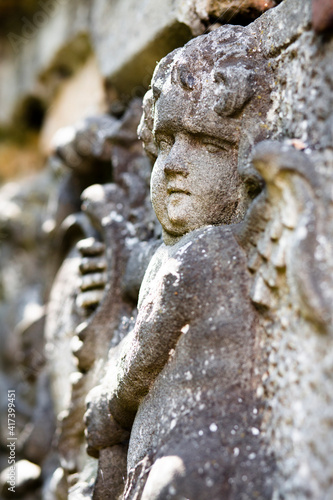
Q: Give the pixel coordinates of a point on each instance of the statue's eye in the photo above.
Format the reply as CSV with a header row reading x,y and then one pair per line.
x,y
164,143
213,147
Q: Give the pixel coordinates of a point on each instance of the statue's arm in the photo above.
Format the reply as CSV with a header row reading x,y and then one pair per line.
x,y
132,368
169,306
143,354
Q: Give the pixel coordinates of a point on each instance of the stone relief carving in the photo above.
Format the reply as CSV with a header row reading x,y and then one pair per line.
x,y
95,243
280,285
289,242
196,324
181,398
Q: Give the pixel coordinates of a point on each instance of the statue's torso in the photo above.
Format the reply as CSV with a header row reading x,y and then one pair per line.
x,y
204,397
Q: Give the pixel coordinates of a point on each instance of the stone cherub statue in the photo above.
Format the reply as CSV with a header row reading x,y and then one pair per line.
x,y
183,382
183,379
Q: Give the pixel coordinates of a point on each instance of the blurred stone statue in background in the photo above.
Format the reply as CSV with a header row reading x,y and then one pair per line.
x,y
93,297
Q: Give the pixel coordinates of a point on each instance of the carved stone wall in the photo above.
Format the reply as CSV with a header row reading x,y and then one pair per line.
x,y
198,367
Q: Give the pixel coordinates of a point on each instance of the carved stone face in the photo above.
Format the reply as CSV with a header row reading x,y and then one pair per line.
x,y
195,180
206,106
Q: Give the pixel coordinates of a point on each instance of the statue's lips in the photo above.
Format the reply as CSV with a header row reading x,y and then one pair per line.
x,y
175,190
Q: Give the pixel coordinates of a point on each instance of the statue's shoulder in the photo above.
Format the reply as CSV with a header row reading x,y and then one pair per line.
x,y
202,254
209,243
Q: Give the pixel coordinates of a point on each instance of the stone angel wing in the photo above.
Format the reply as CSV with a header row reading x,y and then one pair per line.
x,y
285,237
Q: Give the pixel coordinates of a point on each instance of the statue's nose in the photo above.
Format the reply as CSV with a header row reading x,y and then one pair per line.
x,y
176,164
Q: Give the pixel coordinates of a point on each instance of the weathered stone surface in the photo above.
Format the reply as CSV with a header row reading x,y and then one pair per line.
x,y
24,270
298,393
295,219
158,29
110,479
283,25
167,373
212,398
181,321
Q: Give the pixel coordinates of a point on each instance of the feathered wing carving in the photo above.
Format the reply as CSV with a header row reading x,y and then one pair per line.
x,y
285,236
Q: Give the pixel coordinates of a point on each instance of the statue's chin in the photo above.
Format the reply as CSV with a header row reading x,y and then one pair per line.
x,y
177,218
173,229
179,212
177,224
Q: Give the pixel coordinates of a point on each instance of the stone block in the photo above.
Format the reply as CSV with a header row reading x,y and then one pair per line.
x,y
139,35
135,37
282,25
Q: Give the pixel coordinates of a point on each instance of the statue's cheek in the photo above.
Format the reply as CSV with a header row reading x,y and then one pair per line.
x,y
158,190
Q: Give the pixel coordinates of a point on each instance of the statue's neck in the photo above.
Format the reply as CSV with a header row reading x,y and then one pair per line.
x,y
170,239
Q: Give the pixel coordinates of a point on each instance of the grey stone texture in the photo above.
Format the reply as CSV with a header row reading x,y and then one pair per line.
x,y
301,104
282,229
190,354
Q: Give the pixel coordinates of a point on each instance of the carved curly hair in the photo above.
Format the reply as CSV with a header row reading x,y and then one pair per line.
x,y
226,71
